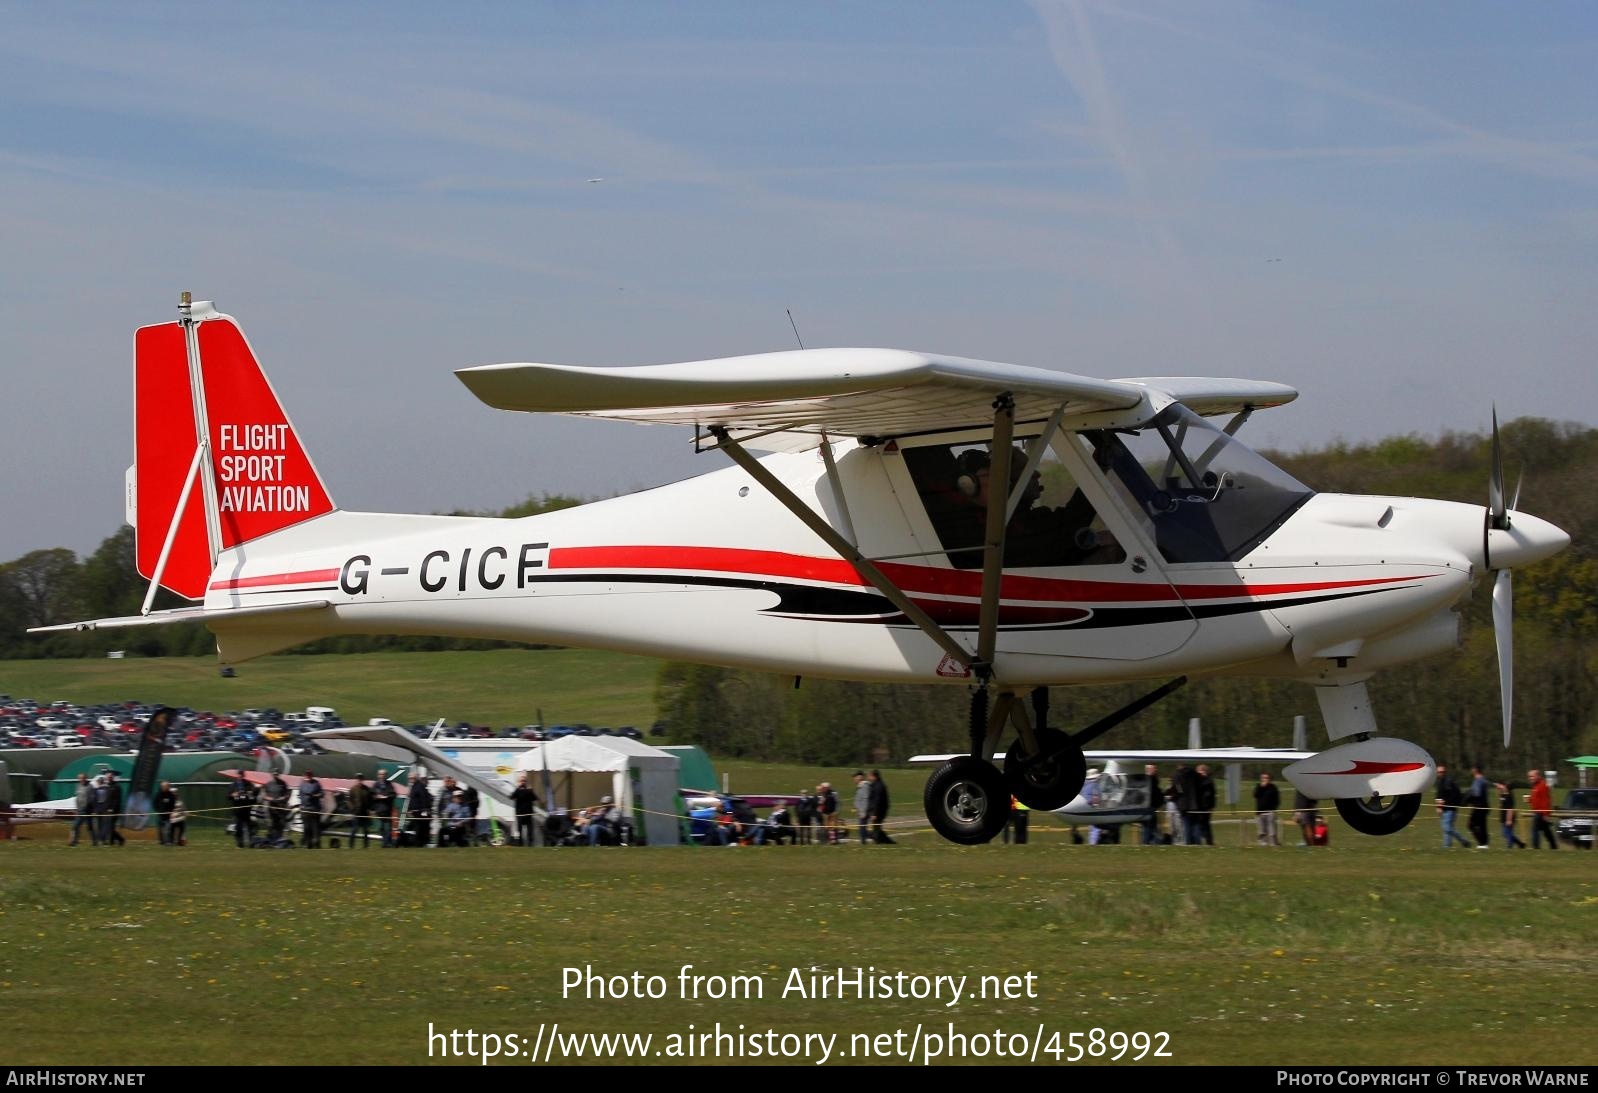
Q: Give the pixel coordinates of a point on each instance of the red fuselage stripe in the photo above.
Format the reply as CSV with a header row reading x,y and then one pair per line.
x,y
759,564
309,576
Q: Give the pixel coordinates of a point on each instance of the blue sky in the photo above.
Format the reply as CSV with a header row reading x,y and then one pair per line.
x,y
1392,207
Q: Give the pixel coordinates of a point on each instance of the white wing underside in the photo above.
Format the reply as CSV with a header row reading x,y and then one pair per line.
x,y
845,393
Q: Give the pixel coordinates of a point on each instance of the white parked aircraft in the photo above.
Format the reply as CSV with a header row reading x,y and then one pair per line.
x,y
1125,536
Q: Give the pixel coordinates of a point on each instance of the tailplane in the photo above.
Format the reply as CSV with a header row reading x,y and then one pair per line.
x,y
216,461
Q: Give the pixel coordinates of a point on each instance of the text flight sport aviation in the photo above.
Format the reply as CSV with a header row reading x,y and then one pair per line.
x,y
917,519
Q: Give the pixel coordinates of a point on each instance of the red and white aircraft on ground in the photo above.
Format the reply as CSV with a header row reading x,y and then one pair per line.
x,y
1132,538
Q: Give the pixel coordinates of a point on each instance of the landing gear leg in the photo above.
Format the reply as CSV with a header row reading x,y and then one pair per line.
x,y
1045,768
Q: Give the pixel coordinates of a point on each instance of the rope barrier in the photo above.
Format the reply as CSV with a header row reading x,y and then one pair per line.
x,y
847,830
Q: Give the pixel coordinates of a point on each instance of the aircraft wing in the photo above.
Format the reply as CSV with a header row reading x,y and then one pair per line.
x,y
753,800
398,745
842,392
1208,397
40,812
337,785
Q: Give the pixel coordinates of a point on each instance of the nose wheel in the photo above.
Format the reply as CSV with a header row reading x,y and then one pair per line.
x,y
1378,815
967,801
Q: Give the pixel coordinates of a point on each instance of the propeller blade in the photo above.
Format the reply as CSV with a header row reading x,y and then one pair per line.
x,y
1495,484
1514,498
1504,634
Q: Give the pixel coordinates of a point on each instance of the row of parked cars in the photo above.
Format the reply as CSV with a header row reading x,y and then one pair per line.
x,y
465,730
25,723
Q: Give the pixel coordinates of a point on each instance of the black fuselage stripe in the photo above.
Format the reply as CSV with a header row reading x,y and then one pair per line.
x,y
812,603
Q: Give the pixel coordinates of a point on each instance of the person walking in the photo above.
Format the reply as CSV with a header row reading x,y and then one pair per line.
x,y
83,815
1541,803
1506,817
523,800
111,812
1267,799
1477,798
1448,799
878,808
862,804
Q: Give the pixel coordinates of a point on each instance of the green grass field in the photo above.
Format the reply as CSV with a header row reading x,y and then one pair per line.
x,y
1370,951
1365,952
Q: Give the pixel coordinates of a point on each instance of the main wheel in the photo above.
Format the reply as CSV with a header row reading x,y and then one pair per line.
x,y
1050,782
967,801
1378,815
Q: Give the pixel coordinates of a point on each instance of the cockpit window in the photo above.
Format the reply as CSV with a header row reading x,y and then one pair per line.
x,y
1204,496
1054,524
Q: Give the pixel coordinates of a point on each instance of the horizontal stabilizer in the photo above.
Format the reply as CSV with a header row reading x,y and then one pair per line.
x,y
186,614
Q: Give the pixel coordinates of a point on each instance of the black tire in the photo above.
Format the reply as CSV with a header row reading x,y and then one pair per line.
x,y
1378,815
967,801
1050,783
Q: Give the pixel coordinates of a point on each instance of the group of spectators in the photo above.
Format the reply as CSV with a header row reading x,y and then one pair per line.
x,y
1181,811
1478,798
438,812
811,817
98,802
1188,803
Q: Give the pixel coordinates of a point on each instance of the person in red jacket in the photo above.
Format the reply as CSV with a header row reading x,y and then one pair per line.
x,y
1541,803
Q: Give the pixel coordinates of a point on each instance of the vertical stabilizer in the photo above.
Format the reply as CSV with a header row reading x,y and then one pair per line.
x,y
216,461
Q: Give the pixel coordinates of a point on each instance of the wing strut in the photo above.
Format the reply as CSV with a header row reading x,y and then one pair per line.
x,y
837,489
993,539
845,549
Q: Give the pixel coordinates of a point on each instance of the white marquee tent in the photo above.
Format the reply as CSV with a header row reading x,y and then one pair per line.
x,y
574,772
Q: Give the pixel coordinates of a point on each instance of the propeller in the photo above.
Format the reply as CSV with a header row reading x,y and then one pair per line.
x,y
1504,635
1497,519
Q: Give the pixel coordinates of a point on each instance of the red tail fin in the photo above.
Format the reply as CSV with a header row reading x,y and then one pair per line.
x,y
257,478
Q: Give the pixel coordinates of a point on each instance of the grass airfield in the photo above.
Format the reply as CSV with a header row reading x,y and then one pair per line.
x,y
1366,952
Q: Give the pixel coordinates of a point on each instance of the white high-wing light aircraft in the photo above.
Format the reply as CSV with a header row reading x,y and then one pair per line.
x,y
1125,537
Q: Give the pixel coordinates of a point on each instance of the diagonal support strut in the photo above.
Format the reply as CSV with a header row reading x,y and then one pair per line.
x,y
845,549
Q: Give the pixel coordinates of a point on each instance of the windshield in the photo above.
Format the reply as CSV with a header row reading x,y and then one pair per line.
x,y
1203,495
